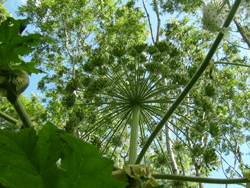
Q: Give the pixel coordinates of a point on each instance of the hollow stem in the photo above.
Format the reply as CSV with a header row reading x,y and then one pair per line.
x,y
134,135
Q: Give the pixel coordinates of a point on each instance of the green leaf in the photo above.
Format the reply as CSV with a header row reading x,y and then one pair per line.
x,y
28,67
85,167
1,186
13,45
11,27
49,146
16,150
29,160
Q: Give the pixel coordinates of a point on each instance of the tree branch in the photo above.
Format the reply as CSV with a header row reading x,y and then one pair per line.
x,y
149,22
158,21
168,142
242,32
66,43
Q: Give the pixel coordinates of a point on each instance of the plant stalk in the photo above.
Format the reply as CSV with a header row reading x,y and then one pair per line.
x,y
228,63
191,83
22,113
8,118
134,134
200,179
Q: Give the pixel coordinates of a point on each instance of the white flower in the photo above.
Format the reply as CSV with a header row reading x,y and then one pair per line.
x,y
213,15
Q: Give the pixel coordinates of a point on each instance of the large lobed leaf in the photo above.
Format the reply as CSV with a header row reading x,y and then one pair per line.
x,y
29,160
13,45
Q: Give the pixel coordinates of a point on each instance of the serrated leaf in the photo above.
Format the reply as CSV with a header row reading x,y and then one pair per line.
x,y
29,160
11,27
48,151
13,45
49,146
85,167
28,67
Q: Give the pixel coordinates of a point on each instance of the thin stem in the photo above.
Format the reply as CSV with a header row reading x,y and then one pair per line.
x,y
227,63
200,179
8,118
134,135
222,158
190,84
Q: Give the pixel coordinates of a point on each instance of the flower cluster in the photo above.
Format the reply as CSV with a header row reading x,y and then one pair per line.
x,y
214,15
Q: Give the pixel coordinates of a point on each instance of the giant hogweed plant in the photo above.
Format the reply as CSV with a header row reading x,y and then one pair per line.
x,y
53,158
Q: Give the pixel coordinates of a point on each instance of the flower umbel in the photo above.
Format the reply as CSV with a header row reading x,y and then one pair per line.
x,y
214,14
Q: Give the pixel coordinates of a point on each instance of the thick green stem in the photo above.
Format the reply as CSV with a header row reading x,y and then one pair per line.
x,y
22,114
8,118
134,135
190,84
200,179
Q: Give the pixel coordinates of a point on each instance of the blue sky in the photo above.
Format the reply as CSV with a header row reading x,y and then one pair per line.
x,y
12,7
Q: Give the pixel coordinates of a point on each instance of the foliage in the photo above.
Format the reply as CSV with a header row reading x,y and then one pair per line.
x,y
51,159
34,108
3,11
78,48
13,45
108,84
